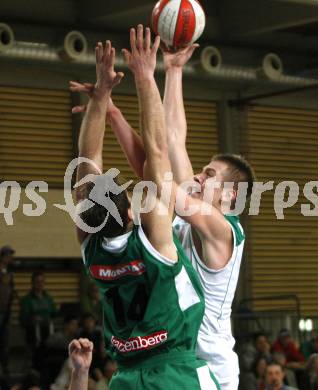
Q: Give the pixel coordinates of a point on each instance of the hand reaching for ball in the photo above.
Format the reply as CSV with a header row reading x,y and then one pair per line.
x,y
177,59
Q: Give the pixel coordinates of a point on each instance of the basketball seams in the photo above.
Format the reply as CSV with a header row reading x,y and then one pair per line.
x,y
200,19
178,22
185,24
156,14
168,20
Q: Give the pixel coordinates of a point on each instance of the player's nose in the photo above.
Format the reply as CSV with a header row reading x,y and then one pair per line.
x,y
199,179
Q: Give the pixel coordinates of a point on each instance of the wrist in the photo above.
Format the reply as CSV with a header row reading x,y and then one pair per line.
x,y
80,372
101,93
144,78
174,70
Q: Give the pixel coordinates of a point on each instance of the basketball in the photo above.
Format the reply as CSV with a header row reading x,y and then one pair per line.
x,y
178,22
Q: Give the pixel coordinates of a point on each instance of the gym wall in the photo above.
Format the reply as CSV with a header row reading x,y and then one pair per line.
x,y
38,139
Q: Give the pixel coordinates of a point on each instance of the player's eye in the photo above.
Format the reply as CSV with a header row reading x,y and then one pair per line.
x,y
210,173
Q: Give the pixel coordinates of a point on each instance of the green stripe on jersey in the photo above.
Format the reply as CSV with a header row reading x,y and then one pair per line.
x,y
235,223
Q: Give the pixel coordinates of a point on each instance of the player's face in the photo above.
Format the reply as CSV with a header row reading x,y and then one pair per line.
x,y
213,172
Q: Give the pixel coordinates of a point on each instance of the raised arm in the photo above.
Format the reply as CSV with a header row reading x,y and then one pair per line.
x,y
213,229
142,62
80,353
175,113
90,143
129,140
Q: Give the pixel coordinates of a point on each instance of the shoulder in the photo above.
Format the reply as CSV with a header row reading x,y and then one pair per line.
x,y
237,228
151,252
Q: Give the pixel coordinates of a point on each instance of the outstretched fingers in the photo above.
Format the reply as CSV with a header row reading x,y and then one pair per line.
x,y
107,51
156,45
192,48
79,109
127,55
99,52
133,40
140,37
147,43
81,87
112,57
75,86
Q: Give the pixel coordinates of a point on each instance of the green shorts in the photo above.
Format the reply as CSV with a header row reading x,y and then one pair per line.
x,y
172,371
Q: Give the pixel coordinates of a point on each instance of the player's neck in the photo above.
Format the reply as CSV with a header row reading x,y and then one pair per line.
x,y
130,226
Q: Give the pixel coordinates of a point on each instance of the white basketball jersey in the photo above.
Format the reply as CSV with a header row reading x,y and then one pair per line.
x,y
215,341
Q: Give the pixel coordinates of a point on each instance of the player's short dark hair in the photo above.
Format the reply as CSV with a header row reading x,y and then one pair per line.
x,y
239,170
97,214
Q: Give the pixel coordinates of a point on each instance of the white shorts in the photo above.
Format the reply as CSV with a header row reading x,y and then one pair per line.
x,y
218,352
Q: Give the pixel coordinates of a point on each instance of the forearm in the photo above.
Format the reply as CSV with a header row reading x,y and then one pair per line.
x,y
130,142
79,379
90,143
151,118
174,107
153,130
176,125
91,138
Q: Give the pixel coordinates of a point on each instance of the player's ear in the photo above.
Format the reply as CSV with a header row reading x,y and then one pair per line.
x,y
130,214
233,195
228,197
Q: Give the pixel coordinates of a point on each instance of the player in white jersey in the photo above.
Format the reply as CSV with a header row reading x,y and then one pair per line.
x,y
215,341
214,242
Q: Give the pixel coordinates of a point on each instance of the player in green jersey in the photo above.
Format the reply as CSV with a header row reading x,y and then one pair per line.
x,y
152,300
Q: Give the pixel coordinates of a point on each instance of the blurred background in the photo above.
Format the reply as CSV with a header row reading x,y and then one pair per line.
x,y
251,88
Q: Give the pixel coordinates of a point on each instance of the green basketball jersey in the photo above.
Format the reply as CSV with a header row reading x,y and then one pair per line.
x,y
151,305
